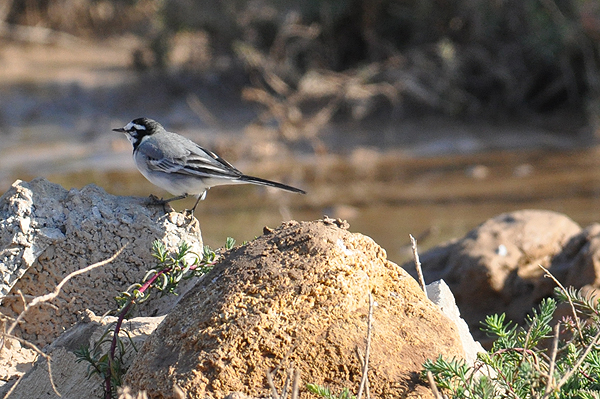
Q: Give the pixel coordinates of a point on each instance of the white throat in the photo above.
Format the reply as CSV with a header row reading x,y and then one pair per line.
x,y
133,140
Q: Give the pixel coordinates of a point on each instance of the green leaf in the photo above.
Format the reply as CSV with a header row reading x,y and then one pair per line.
x,y
326,393
229,243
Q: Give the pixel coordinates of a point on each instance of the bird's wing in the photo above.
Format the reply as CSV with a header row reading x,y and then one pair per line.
x,y
201,157
182,156
165,165
199,162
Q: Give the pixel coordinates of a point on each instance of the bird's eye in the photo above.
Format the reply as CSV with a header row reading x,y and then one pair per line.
x,y
134,127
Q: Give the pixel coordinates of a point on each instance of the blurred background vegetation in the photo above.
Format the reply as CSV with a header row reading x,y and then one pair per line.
x,y
306,63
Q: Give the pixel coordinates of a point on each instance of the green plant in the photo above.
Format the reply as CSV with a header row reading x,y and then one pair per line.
x,y
326,392
520,364
99,359
171,269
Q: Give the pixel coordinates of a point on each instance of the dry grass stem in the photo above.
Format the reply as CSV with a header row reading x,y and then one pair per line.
x,y
41,300
363,381
296,385
274,394
552,361
577,365
562,288
413,242
434,389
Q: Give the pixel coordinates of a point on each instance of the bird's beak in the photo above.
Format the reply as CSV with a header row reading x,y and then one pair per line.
x,y
120,130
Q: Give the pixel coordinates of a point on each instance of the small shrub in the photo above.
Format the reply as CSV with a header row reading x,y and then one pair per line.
x,y
171,269
520,365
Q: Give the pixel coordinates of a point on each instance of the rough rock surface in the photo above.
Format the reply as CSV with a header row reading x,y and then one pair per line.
x,y
439,293
15,360
296,296
46,232
494,268
70,376
578,264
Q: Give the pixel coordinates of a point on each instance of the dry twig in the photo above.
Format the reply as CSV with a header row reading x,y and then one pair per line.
x,y
38,301
577,365
274,394
548,389
413,241
563,289
363,381
361,358
286,384
198,107
434,388
296,385
50,296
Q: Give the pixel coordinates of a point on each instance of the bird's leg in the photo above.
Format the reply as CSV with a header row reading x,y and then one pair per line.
x,y
200,198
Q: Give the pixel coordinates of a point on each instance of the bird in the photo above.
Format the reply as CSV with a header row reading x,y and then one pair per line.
x,y
180,166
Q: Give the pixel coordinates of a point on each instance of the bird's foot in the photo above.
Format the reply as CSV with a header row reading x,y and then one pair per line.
x,y
153,200
200,198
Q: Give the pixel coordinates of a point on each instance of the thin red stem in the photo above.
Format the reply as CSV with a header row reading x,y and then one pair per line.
x,y
121,317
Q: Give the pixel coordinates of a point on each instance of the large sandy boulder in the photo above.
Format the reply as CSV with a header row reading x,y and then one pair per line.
x,y
47,232
494,268
296,297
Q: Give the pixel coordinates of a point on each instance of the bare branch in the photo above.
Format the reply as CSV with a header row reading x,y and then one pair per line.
x,y
50,296
563,289
434,389
274,394
413,241
548,389
368,350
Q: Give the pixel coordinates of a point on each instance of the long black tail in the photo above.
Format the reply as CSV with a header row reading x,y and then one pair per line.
x,y
265,182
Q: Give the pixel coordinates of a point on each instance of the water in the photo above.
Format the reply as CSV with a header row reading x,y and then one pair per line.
x,y
434,198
